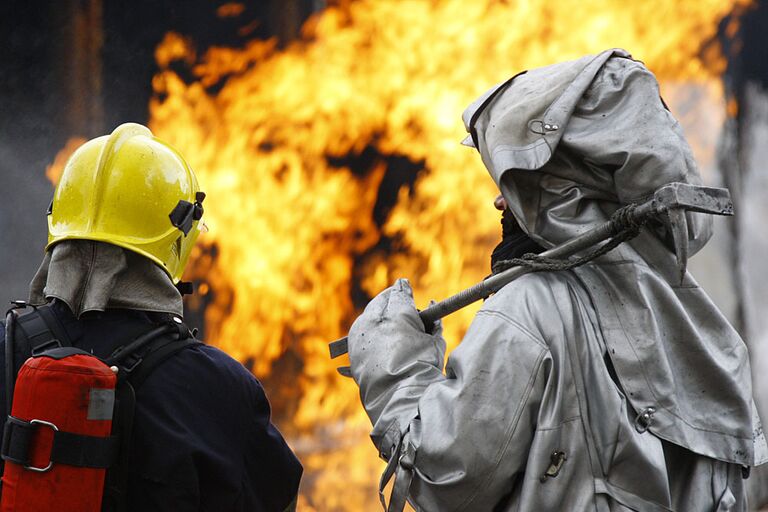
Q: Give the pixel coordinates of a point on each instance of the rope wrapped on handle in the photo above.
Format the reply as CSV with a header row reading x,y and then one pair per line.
x,y
673,200
625,225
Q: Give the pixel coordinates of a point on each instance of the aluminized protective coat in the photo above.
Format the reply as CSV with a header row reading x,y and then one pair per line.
x,y
611,141
567,146
527,381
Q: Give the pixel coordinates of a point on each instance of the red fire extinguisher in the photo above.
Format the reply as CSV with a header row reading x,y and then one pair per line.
x,y
57,443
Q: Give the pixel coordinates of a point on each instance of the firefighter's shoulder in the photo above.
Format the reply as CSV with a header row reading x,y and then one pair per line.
x,y
209,373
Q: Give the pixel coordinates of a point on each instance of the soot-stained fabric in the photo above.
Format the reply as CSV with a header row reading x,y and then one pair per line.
x,y
477,432
202,435
568,145
94,276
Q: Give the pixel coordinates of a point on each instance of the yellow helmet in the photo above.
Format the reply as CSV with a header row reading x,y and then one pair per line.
x,y
132,190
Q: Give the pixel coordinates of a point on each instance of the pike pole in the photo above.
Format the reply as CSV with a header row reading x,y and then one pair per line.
x,y
673,200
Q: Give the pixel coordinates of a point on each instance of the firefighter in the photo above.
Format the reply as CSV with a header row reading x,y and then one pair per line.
x,y
123,221
611,386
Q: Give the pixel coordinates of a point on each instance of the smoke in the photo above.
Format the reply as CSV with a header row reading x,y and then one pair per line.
x,y
24,197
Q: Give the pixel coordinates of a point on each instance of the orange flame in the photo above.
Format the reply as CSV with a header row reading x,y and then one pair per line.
x,y
298,148
230,10
53,171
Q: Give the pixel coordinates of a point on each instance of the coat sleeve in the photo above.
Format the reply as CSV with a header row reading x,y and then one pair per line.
x,y
468,428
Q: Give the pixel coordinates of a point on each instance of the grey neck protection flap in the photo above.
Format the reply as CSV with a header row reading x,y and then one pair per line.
x,y
95,276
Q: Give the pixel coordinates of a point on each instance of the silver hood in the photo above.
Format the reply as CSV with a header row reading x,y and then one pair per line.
x,y
569,144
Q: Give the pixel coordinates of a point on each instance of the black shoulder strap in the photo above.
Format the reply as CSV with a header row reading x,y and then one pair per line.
x,y
27,335
40,330
10,365
136,362
138,359
116,480
157,355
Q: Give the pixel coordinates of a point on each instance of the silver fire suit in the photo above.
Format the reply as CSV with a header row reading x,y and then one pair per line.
x,y
609,387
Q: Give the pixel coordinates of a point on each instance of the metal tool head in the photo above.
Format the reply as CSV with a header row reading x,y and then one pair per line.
x,y
338,347
678,224
676,199
693,198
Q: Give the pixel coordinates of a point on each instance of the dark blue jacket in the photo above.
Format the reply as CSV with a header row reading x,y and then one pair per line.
x,y
202,436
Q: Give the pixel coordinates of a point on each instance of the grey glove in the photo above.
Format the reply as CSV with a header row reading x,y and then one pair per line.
x,y
393,360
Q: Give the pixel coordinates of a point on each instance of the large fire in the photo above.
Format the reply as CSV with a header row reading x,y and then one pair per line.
x,y
334,166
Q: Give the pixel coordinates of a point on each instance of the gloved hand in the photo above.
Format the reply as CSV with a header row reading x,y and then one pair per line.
x,y
391,356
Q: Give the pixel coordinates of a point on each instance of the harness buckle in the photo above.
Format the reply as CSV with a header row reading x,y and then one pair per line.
x,y
50,462
644,419
131,363
556,461
39,349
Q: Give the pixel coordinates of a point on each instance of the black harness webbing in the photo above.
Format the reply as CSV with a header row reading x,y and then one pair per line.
x,y
71,449
157,357
10,366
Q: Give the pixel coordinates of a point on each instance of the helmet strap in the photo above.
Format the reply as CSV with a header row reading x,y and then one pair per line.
x,y
185,288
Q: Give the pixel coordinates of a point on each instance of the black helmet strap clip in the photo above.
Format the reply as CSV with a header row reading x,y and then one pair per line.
x,y
185,213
